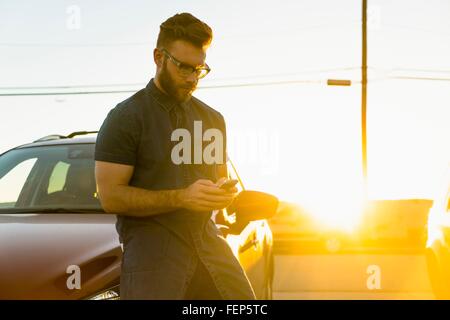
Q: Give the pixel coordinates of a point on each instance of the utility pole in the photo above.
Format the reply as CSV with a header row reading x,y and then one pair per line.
x,y
364,97
338,82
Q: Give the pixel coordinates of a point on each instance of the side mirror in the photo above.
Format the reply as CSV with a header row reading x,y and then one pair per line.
x,y
254,205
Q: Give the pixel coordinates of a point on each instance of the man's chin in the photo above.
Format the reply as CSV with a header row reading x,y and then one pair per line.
x,y
184,97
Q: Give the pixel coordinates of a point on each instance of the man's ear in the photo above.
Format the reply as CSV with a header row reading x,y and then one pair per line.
x,y
158,57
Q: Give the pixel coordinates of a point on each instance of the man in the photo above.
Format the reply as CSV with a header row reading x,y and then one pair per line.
x,y
172,248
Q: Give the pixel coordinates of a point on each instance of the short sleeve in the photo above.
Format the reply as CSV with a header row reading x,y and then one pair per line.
x,y
117,139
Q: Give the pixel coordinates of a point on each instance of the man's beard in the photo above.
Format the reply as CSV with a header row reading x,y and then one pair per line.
x,y
179,93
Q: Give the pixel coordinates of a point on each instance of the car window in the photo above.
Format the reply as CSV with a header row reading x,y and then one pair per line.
x,y
69,184
63,176
12,182
58,177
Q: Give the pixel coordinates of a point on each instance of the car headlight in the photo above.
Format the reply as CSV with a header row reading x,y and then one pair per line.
x,y
108,294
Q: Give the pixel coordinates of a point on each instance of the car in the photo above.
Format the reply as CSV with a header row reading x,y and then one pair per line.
x,y
389,226
382,257
53,228
438,244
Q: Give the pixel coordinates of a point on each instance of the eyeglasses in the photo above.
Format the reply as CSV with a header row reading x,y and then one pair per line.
x,y
186,70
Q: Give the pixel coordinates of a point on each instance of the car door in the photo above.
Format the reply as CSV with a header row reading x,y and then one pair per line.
x,y
45,254
252,246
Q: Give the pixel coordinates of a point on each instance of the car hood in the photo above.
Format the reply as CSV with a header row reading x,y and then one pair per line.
x,y
36,251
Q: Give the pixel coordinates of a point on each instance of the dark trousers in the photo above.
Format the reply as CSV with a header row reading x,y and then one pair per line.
x,y
202,286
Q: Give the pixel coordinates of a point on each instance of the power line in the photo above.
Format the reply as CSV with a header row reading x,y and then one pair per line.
x,y
64,93
260,84
423,70
419,78
417,29
272,83
75,86
250,77
225,37
74,45
239,85
81,89
140,84
149,43
293,31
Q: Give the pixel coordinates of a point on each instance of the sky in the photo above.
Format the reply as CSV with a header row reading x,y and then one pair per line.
x,y
289,133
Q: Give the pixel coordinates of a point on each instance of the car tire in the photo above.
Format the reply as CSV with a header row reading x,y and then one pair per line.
x,y
436,277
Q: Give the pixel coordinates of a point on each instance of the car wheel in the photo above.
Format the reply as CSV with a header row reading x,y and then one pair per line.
x,y
437,279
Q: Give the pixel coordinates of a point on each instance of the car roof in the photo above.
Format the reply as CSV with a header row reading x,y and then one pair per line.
x,y
61,141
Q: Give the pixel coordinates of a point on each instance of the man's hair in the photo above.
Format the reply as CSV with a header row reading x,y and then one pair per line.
x,y
184,26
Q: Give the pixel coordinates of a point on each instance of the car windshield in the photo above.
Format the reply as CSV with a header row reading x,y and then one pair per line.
x,y
57,178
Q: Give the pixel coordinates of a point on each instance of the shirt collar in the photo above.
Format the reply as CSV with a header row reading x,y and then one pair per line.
x,y
166,101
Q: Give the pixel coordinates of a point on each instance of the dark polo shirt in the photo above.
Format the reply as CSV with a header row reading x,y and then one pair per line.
x,y
161,251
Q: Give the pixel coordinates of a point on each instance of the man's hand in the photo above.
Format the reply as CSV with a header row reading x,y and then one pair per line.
x,y
205,195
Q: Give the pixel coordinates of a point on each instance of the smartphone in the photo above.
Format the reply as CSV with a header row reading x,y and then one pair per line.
x,y
228,184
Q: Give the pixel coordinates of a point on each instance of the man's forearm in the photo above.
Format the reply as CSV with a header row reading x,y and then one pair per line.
x,y
133,201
